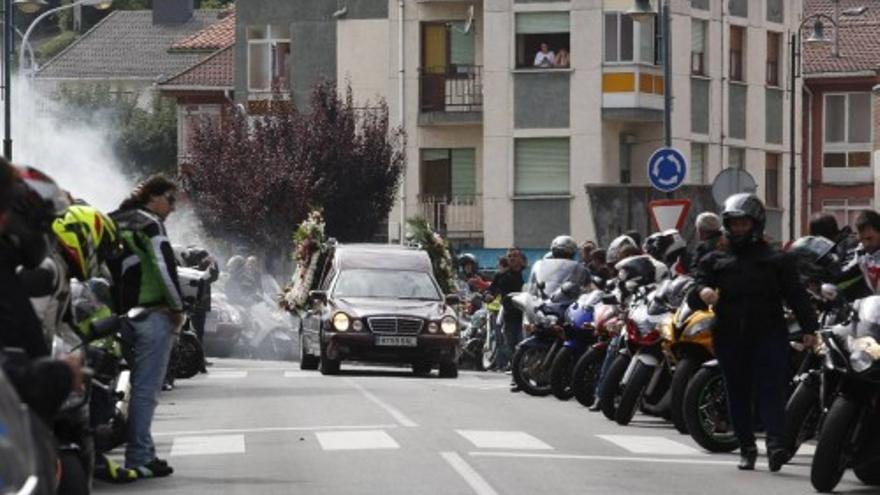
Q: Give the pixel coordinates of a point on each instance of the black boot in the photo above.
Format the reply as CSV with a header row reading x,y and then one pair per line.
x,y
748,455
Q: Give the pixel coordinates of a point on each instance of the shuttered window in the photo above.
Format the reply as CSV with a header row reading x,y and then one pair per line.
x,y
541,166
464,172
542,23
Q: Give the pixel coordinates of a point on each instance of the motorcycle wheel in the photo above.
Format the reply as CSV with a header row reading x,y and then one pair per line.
x,y
189,357
633,393
306,360
610,397
526,372
586,374
706,414
561,372
803,412
74,479
684,371
832,457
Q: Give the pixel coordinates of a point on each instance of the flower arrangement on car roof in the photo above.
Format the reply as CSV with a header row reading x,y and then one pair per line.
x,y
421,235
310,244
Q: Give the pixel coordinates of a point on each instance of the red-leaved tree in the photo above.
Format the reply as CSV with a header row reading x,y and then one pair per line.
x,y
253,182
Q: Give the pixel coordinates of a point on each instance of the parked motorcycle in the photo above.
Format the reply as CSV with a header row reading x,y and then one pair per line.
x,y
555,287
493,339
850,434
585,375
474,325
224,326
579,337
26,447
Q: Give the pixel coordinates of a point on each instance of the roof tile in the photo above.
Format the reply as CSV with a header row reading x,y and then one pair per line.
x,y
216,71
858,45
214,37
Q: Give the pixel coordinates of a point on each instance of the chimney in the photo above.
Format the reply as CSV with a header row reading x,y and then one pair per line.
x,y
170,12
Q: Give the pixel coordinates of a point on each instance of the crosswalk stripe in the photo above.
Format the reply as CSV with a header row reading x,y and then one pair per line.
x,y
301,374
208,445
650,445
227,374
516,440
356,440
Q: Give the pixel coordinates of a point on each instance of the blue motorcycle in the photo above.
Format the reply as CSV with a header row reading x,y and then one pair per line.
x,y
580,335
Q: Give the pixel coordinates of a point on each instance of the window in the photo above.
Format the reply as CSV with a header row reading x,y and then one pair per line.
x,y
846,210
697,165
737,48
736,157
190,118
623,37
847,135
541,166
698,47
268,56
771,180
542,40
773,48
448,173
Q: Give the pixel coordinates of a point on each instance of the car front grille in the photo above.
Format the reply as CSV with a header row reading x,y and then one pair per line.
x,y
395,326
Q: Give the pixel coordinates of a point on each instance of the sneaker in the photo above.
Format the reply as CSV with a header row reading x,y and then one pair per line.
x,y
154,469
108,470
166,387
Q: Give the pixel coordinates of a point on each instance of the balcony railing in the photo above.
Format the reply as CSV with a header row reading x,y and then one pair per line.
x,y
459,216
455,88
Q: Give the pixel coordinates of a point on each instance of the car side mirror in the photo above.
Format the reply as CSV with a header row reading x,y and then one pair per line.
x,y
453,300
318,296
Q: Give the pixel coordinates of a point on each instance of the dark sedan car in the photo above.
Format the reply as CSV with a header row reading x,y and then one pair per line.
x,y
379,303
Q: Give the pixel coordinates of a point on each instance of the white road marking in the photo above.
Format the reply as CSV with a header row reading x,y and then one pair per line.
x,y
653,460
356,440
227,374
208,445
301,374
470,476
393,411
650,445
271,430
519,440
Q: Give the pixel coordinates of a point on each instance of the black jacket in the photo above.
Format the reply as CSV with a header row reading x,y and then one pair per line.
x,y
19,325
703,248
503,284
752,285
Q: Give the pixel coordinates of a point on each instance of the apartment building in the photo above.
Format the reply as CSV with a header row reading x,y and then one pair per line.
x,y
504,141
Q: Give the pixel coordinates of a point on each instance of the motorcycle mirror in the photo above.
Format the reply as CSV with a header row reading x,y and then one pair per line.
x,y
318,296
453,300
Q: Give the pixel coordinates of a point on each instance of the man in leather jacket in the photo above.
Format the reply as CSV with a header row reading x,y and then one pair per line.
x,y
747,285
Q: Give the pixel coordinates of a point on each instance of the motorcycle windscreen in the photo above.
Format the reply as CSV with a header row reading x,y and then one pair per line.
x,y
555,272
869,317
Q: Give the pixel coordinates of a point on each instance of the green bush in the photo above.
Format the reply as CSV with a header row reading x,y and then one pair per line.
x,y
54,45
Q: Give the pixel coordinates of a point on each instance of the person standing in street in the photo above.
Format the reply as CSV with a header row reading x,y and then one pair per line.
x,y
146,277
747,285
505,283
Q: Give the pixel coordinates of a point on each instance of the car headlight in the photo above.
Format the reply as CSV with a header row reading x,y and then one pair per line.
x,y
448,325
341,322
864,352
433,327
699,327
357,325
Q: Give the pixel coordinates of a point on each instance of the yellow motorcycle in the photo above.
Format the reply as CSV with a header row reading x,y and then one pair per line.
x,y
687,344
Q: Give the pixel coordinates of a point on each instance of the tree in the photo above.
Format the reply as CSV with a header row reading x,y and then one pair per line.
x,y
254,182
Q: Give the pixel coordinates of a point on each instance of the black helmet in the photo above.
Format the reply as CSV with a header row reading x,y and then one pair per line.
x,y
466,258
35,203
744,205
815,257
666,246
563,246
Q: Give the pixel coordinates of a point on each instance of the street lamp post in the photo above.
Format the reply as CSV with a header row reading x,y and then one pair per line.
x,y
98,4
7,79
642,11
816,37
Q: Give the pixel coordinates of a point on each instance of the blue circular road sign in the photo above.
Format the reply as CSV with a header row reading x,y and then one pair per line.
x,y
667,169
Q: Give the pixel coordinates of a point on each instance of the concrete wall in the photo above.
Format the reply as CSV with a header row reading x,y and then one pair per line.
x,y
542,99
362,59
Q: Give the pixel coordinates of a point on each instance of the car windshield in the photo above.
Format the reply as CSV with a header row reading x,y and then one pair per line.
x,y
388,284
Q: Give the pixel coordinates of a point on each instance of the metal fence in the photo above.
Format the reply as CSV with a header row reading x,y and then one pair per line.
x,y
454,88
454,216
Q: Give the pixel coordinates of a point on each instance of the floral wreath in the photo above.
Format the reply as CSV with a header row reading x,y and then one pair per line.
x,y
310,243
421,235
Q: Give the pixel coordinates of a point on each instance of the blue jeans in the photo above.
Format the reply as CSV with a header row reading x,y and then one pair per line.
x,y
151,340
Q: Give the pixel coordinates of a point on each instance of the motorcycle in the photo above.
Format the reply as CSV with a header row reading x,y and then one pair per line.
x,y
474,324
850,434
579,337
543,307
688,344
493,334
26,447
585,375
646,379
224,325
638,277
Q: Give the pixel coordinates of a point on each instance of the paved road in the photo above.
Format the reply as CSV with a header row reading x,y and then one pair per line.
x,y
251,427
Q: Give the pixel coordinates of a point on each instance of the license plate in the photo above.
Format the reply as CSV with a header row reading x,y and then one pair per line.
x,y
396,341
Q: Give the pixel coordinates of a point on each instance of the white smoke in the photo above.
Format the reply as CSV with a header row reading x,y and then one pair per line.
x,y
79,157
